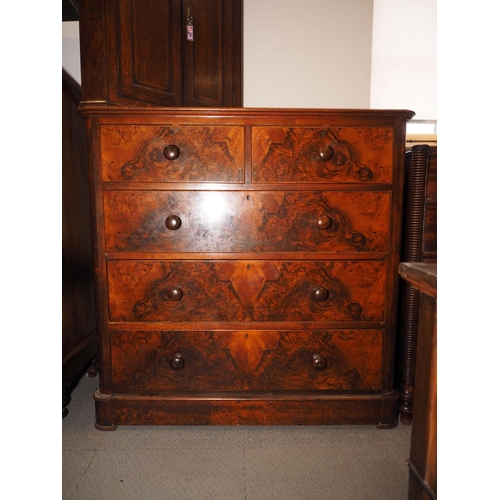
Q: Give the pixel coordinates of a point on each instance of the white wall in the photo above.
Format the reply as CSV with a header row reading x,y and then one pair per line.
x,y
71,49
307,53
404,56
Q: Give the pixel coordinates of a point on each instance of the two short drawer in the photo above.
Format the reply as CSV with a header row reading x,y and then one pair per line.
x,y
195,153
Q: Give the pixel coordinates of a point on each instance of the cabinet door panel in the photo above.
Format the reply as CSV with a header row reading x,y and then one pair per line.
x,y
150,51
212,60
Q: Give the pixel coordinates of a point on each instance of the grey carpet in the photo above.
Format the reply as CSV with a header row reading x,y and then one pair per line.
x,y
233,463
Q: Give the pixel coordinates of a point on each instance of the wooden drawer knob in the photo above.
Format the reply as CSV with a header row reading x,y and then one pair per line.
x,y
171,152
174,293
325,153
318,362
320,294
324,222
176,362
173,222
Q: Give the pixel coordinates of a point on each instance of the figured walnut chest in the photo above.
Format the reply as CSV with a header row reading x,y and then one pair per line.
x,y
246,263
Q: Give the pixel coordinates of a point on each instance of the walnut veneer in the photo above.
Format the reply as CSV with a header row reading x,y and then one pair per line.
x,y
246,262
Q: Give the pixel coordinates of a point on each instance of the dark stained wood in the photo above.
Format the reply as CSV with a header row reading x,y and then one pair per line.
x,y
212,61
422,275
245,409
423,451
79,341
229,299
420,245
149,51
136,52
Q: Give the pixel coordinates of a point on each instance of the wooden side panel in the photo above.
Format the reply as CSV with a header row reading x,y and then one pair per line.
x,y
136,153
228,361
79,340
304,154
185,291
429,247
246,221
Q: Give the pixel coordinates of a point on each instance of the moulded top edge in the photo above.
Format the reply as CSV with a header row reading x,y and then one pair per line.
x,y
93,109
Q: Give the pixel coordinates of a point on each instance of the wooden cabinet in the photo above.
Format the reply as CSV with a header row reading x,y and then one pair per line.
x,y
246,264
137,52
420,245
423,451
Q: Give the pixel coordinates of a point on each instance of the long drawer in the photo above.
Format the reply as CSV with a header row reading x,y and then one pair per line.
x,y
223,361
214,221
185,291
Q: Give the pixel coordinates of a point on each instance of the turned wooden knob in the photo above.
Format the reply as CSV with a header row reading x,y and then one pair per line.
x,y
318,362
173,222
171,152
325,153
320,294
324,222
176,362
174,293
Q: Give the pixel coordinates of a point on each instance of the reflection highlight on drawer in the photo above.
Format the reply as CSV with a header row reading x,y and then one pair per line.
x,y
265,221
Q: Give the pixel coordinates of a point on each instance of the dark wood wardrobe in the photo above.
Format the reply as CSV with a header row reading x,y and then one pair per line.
x,y
139,52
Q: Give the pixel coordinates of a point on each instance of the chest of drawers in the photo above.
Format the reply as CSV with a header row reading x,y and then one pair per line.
x,y
246,264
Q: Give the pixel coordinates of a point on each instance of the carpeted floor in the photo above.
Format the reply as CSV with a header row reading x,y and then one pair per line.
x,y
229,463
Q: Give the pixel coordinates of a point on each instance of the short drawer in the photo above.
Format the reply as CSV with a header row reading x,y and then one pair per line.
x,y
308,154
264,221
187,291
140,153
231,361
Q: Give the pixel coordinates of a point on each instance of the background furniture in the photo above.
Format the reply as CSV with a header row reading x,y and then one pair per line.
x,y
246,263
420,245
137,52
79,342
423,452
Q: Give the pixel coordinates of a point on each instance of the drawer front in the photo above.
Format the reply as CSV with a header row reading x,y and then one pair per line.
x,y
246,360
172,153
304,154
186,291
161,221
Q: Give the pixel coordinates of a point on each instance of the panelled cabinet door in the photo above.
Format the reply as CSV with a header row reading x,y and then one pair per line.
x,y
212,59
149,51
159,64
